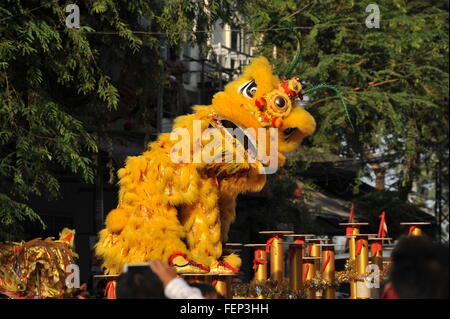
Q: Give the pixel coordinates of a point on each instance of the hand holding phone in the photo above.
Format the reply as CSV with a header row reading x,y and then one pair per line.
x,y
163,271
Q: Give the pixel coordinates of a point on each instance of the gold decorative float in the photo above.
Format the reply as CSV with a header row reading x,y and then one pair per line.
x,y
37,269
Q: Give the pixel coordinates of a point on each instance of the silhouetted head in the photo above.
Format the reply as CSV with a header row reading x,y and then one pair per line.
x,y
419,269
208,291
139,283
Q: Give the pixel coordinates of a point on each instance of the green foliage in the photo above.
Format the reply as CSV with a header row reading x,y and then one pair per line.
x,y
39,133
12,214
285,206
371,205
60,87
395,79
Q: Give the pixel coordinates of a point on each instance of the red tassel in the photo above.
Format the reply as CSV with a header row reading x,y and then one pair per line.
x,y
360,246
325,264
269,242
376,247
305,273
110,290
258,261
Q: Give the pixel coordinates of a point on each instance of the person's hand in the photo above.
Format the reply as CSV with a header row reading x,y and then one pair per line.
x,y
163,271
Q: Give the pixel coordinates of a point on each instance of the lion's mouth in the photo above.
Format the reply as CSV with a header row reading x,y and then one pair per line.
x,y
245,140
242,151
287,133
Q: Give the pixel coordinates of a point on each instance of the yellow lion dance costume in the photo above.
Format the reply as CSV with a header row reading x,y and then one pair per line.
x,y
181,212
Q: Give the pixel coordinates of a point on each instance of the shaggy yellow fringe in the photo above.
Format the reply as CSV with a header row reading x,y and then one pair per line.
x,y
166,207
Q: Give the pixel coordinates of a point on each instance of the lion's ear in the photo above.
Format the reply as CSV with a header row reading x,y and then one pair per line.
x,y
219,97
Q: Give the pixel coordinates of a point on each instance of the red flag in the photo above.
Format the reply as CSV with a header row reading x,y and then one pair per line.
x,y
382,230
349,229
352,214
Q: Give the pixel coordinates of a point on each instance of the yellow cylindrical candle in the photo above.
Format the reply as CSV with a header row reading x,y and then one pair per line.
x,y
295,266
296,254
352,229
314,250
376,251
274,244
328,269
362,261
223,285
376,255
276,259
362,253
259,262
415,228
261,271
300,239
309,273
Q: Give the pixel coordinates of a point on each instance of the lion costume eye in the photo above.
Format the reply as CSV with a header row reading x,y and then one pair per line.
x,y
278,103
248,89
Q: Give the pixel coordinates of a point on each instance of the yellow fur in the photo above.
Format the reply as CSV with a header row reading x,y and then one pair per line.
x,y
167,207
234,260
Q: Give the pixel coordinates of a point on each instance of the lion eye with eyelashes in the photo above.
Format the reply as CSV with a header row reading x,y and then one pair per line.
x,y
248,89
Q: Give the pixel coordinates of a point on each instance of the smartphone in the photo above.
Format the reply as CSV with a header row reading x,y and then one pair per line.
x,y
139,281
137,267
